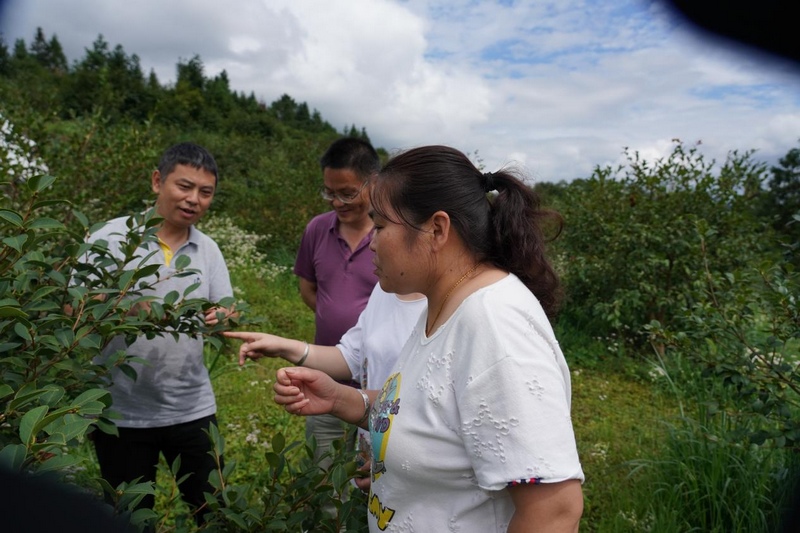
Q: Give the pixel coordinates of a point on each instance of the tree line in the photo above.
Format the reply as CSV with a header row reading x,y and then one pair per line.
x,y
99,123
112,80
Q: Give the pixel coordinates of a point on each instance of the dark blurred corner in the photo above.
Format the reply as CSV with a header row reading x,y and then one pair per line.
x,y
40,504
768,25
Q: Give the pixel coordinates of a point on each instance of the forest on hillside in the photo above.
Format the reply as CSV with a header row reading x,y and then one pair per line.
x,y
101,118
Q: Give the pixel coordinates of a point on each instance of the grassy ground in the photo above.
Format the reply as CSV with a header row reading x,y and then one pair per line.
x,y
618,420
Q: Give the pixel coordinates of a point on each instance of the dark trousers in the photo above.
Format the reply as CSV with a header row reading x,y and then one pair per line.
x,y
135,454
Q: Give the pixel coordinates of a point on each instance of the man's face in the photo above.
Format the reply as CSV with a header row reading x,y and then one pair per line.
x,y
184,196
345,183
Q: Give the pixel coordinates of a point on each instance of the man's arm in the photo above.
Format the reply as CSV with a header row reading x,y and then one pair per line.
x,y
308,292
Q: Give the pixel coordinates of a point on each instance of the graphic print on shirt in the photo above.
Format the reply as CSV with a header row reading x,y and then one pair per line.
x,y
387,405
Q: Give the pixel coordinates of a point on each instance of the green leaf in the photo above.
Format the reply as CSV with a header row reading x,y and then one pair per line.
x,y
42,292
234,517
216,439
13,312
106,426
12,217
46,223
52,395
175,466
182,261
215,344
92,341
5,390
22,331
140,488
88,396
16,241
140,516
278,443
125,278
48,203
157,310
27,426
25,395
58,463
146,271
41,182
69,426
65,336
129,371
81,218
58,277
13,456
42,306
274,460
8,346
171,297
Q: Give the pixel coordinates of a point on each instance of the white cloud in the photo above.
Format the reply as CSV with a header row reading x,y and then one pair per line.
x,y
556,86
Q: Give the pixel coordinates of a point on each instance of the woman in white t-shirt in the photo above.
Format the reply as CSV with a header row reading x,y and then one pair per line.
x,y
472,431
365,354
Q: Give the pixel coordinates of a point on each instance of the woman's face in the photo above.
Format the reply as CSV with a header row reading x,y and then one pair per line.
x,y
400,257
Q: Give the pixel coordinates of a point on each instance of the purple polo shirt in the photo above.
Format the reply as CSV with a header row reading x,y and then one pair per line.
x,y
344,278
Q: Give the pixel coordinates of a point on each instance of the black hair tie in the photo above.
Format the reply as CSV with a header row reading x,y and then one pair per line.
x,y
488,182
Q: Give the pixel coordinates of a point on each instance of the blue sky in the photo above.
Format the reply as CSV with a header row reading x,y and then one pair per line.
x,y
555,87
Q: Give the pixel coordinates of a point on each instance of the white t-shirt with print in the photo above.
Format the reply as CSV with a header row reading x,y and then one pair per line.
x,y
371,346
483,402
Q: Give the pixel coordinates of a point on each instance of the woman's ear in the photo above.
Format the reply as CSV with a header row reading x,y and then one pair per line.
x,y
439,228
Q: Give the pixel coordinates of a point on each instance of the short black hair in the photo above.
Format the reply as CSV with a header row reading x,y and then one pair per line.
x,y
189,154
354,154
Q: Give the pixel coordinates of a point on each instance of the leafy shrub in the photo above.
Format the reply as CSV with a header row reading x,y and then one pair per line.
x,y
631,250
242,250
745,335
731,462
57,313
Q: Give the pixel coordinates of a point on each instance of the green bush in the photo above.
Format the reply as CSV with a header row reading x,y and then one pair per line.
x,y
631,250
730,463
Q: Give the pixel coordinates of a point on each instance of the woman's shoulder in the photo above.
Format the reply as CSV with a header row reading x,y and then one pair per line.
x,y
506,288
504,303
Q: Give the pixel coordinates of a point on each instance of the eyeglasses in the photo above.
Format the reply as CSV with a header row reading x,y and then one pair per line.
x,y
344,198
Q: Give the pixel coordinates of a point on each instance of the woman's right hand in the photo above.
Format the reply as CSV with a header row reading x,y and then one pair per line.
x,y
305,391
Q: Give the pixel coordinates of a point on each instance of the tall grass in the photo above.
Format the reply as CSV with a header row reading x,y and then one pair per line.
x,y
708,483
707,477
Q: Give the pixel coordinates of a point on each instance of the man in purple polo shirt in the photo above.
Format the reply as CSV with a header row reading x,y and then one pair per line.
x,y
334,262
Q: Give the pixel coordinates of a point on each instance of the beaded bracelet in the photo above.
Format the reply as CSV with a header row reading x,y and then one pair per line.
x,y
303,358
